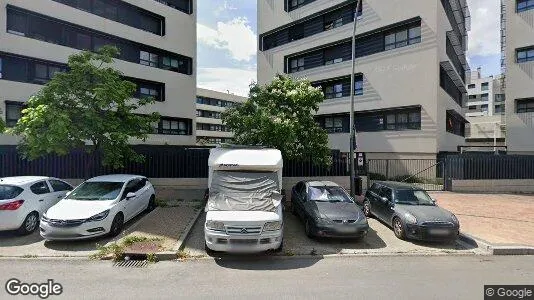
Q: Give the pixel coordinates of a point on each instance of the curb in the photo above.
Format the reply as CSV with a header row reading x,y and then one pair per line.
x,y
496,249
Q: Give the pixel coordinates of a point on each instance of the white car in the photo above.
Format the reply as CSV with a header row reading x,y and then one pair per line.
x,y
97,207
24,199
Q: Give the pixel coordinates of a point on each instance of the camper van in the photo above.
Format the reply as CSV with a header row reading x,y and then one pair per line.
x,y
244,209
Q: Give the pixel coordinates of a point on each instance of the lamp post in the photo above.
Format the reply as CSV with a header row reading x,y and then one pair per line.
x,y
352,83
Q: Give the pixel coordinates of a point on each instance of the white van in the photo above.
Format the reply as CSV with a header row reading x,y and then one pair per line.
x,y
244,210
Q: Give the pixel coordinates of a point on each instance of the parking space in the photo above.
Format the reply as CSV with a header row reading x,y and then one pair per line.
x,y
33,245
380,240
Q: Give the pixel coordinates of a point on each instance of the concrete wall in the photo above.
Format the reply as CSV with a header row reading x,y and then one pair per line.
x,y
494,186
519,79
180,89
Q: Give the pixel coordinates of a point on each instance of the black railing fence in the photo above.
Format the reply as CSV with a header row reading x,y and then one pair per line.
x,y
476,167
160,162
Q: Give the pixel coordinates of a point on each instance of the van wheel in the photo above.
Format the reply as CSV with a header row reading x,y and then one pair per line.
x,y
30,224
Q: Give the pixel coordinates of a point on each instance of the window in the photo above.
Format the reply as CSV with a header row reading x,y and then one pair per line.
x,y
181,5
525,55
484,108
294,4
472,97
485,86
499,108
74,36
472,108
297,65
500,97
0,68
472,86
174,126
455,125
402,38
450,87
13,113
333,125
525,105
145,89
59,186
40,188
524,5
208,114
341,87
44,73
484,97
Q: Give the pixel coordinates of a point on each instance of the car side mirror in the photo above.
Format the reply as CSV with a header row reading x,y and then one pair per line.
x,y
130,196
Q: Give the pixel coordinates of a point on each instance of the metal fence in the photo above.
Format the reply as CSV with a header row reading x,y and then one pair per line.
x,y
475,167
160,162
425,173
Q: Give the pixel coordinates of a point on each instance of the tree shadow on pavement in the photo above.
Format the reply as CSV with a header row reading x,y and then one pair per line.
x,y
262,262
13,239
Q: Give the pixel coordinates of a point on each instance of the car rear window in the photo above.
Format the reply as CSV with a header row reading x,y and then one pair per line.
x,y
9,191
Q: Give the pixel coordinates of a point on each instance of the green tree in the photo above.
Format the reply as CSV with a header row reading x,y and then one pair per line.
x,y
2,126
89,106
280,115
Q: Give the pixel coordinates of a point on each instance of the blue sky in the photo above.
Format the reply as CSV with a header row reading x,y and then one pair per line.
x,y
227,39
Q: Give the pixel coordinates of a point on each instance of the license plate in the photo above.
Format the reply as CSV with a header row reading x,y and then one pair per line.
x,y
439,231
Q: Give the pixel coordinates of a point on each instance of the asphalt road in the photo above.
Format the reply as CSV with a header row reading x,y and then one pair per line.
x,y
385,277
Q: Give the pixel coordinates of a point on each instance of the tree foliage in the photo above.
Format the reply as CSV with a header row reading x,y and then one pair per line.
x,y
280,115
89,106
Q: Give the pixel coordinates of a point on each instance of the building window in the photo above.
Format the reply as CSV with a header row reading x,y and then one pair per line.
x,y
484,97
485,86
455,125
500,97
1,68
525,55
70,35
297,64
525,105
340,87
333,125
472,86
499,108
13,113
145,89
472,108
148,59
450,87
294,4
484,108
524,5
208,114
214,102
402,38
472,97
174,126
181,5
44,73
212,127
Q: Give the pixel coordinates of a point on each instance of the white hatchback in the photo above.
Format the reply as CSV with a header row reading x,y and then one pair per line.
x,y
24,199
97,207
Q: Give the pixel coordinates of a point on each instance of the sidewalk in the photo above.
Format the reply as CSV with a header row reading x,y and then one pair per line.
x,y
499,219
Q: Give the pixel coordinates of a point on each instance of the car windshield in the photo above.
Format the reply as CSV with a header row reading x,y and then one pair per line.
x,y
97,191
9,192
413,197
328,194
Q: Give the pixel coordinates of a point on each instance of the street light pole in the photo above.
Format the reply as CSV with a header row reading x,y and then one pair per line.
x,y
352,84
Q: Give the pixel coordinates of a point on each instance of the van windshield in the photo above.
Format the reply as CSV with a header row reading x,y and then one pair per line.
x,y
241,191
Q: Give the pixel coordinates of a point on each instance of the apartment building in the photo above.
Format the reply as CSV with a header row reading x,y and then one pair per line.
x,y
486,130
157,40
410,70
210,104
518,59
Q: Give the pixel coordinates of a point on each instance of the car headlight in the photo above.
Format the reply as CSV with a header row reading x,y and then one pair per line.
x,y
410,219
272,226
215,225
454,219
99,217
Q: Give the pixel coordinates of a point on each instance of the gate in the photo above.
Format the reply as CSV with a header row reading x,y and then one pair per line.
x,y
424,173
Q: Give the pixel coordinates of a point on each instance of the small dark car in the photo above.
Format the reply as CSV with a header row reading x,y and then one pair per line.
x,y
327,210
410,212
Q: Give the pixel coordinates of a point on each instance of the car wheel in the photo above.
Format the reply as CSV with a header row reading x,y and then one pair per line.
x,y
293,209
308,229
398,228
367,209
30,224
117,225
151,204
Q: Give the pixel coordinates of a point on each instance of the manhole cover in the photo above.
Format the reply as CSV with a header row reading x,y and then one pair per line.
x,y
131,264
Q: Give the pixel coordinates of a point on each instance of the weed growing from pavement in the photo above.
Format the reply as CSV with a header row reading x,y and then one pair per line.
x,y
183,254
115,251
29,256
289,252
161,203
151,258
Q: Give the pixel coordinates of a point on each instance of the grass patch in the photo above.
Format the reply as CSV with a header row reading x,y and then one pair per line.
x,y
151,258
161,203
289,252
115,251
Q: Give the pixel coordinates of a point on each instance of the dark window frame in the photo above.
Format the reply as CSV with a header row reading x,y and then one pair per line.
x,y
528,54
528,5
187,7
214,102
450,87
70,33
208,114
162,130
11,122
454,125
525,105
343,83
472,86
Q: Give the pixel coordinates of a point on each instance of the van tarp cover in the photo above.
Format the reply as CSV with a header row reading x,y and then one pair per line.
x,y
243,191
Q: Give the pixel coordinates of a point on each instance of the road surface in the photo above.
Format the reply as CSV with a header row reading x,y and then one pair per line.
x,y
401,277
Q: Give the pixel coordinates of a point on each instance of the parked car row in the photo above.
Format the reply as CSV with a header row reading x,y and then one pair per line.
x,y
99,206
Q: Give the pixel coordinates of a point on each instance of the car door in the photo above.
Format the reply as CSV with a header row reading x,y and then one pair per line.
x,y
44,197
373,196
380,204
59,189
296,195
302,197
129,206
388,206
143,195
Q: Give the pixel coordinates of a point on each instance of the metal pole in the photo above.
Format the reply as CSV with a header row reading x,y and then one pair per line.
x,y
352,83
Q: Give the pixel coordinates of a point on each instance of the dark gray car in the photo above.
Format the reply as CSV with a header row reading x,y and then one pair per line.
x,y
327,210
410,212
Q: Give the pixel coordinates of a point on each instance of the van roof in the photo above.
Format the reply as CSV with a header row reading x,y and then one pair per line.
x,y
245,159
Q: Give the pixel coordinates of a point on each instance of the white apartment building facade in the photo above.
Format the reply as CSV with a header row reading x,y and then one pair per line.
x,y
209,127
157,40
518,59
410,70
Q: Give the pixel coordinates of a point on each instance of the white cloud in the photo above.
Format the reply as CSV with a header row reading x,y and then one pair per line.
x,y
224,8
234,80
235,36
484,37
